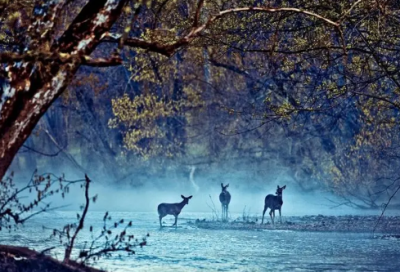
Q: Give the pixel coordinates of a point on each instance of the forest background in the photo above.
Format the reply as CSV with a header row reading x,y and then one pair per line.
x,y
257,92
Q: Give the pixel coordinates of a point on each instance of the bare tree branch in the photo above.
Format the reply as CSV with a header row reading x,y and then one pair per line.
x,y
70,246
169,49
385,205
198,13
348,11
43,153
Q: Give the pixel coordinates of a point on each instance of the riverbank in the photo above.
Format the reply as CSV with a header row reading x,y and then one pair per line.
x,y
23,259
347,223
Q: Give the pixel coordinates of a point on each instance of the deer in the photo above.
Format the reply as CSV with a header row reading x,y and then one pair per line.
x,y
225,199
274,203
172,209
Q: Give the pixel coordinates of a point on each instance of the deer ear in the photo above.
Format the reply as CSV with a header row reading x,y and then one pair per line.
x,y
277,186
227,185
222,185
190,197
182,196
284,187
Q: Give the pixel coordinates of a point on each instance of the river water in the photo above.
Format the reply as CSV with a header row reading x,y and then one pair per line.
x,y
188,248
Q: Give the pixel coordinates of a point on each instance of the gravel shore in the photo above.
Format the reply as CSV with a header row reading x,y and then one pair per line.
x,y
347,223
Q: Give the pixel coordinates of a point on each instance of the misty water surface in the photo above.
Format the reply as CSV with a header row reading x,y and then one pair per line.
x,y
188,248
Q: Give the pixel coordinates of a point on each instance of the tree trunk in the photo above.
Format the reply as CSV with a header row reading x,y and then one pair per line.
x,y
31,85
18,119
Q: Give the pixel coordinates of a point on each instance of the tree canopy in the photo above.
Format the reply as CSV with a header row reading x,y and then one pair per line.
x,y
320,69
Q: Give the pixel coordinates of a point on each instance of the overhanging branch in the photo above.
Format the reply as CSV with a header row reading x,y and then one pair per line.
x,y
170,48
102,62
61,58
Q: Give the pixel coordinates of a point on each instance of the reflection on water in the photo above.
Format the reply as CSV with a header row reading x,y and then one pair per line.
x,y
190,249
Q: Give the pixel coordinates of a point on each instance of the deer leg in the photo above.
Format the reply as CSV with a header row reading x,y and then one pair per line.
x,y
273,213
272,218
160,221
226,211
280,215
222,209
265,209
176,220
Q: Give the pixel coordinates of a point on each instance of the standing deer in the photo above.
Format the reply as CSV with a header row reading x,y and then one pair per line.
x,y
172,209
274,203
224,198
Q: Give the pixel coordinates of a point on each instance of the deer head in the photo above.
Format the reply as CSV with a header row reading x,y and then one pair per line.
x,y
224,187
279,190
186,199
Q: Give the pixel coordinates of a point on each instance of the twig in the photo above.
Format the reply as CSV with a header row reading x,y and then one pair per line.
x,y
69,248
385,206
198,13
348,11
43,153
46,250
347,203
69,156
42,210
42,184
213,209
